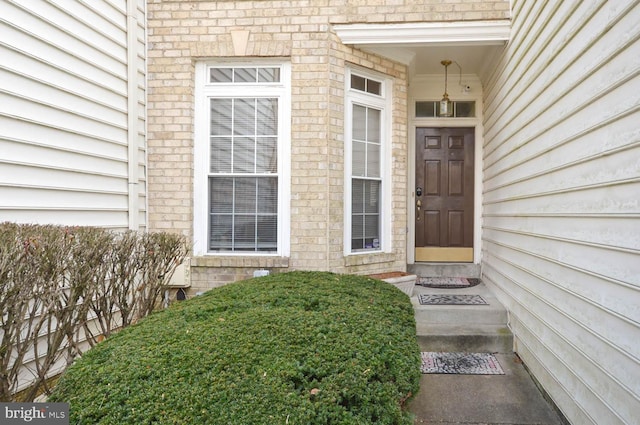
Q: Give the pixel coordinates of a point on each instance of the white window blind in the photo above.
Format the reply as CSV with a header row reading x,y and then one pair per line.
x,y
243,182
366,182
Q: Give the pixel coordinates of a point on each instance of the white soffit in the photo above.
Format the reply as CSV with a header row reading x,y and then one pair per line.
x,y
458,33
399,41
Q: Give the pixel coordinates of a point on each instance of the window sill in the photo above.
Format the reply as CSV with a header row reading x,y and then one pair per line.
x,y
363,258
240,261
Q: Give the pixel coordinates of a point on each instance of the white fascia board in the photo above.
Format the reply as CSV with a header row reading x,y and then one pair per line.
x,y
461,33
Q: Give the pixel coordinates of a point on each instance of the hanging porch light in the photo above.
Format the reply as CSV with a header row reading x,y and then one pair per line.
x,y
446,107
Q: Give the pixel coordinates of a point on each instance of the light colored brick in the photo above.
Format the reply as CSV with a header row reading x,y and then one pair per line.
x,y
182,32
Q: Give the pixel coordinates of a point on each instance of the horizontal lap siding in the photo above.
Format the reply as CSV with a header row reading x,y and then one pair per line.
x,y
64,114
561,204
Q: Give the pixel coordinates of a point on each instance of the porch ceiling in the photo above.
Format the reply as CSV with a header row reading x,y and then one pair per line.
x,y
423,45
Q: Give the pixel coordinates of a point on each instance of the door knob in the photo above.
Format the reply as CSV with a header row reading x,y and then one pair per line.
x,y
418,206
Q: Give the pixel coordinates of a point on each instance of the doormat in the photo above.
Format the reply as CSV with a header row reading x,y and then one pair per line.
x,y
439,299
447,282
460,363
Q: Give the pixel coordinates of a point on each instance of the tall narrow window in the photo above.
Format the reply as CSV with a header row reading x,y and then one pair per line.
x,y
244,194
366,141
366,179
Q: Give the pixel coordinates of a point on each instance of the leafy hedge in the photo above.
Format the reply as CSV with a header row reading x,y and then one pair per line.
x,y
293,348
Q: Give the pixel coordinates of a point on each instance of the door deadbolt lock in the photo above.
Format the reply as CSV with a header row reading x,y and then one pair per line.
x,y
419,191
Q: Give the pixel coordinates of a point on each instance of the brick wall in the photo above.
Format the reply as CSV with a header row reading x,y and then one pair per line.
x,y
183,32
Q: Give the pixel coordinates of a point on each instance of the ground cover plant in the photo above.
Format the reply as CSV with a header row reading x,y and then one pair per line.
x,y
295,348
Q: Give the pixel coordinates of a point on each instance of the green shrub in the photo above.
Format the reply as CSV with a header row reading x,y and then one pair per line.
x,y
295,348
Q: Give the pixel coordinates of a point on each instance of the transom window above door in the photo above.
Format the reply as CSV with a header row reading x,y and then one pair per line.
x,y
431,109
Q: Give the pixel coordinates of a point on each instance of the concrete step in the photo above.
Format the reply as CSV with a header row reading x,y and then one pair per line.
x,y
465,338
469,328
492,313
459,314
445,269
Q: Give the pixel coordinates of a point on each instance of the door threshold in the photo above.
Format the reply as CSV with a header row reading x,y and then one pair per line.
x,y
444,255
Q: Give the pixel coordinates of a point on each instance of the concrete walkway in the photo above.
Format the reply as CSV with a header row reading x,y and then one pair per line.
x,y
512,398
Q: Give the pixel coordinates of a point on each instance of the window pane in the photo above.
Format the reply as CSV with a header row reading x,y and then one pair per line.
x,y
268,75
358,82
220,117
267,155
373,125
465,109
244,75
244,149
245,195
357,196
359,122
221,195
357,244
358,159
220,75
371,227
357,227
244,117
372,196
373,86
267,195
425,109
267,233
220,155
373,160
244,233
221,232
267,111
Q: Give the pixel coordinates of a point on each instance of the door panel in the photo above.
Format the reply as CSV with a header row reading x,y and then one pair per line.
x,y
444,194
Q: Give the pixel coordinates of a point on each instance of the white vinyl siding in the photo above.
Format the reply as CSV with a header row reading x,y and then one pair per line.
x,y
72,113
561,218
72,116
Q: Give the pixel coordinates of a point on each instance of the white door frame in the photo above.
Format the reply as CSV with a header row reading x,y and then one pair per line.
x,y
430,88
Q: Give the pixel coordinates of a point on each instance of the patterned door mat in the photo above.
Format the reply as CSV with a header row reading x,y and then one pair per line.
x,y
433,299
460,363
447,282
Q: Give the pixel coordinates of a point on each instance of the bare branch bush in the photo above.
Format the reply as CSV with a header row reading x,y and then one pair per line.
x,y
62,286
161,254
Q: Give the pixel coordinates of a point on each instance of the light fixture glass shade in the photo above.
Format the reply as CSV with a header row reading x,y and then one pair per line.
x,y
446,107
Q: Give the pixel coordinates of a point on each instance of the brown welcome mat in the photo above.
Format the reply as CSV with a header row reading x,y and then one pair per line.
x,y
447,282
460,363
447,299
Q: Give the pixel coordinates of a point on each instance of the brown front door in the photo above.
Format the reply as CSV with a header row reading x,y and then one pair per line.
x,y
444,194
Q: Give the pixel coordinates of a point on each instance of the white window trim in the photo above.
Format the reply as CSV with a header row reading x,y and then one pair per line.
x,y
384,103
203,91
